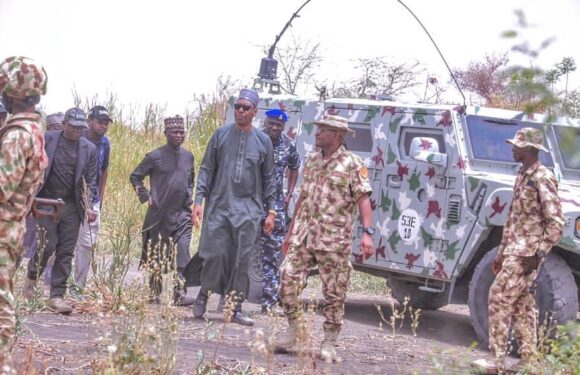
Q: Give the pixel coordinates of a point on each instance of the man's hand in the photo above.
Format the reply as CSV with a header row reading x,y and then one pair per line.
x,y
196,215
269,223
152,203
496,265
530,264
366,245
285,246
90,215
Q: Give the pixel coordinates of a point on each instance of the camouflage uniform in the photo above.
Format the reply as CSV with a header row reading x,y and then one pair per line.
x,y
533,227
285,156
22,164
322,232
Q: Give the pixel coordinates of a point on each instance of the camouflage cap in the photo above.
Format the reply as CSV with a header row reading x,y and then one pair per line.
x,y
55,118
528,137
21,77
337,122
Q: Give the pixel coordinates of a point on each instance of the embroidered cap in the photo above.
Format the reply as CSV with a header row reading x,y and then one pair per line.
x,y
174,122
249,95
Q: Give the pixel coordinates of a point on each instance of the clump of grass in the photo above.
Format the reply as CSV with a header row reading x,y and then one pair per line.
x,y
398,315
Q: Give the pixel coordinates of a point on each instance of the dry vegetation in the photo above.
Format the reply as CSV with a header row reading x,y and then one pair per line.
x,y
129,336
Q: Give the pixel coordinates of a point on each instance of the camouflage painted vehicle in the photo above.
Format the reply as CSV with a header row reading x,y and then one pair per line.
x,y
442,180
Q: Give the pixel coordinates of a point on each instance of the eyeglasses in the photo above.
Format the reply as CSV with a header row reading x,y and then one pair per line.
x,y
245,107
104,122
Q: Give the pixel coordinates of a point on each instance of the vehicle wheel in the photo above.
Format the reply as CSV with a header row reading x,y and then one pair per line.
x,y
556,295
417,298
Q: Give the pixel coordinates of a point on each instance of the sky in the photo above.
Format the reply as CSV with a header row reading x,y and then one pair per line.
x,y
165,52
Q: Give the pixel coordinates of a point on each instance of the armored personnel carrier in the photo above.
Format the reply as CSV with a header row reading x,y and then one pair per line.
x,y
442,179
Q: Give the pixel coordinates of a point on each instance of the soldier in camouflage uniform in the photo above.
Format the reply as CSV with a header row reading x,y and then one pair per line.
x,y
22,164
3,115
534,226
287,159
335,182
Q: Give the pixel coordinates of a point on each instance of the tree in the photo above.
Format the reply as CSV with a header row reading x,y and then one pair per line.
x,y
486,78
551,77
379,77
297,62
434,90
572,105
565,67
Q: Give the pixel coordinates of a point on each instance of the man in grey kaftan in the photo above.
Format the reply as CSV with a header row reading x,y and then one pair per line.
x,y
235,180
167,226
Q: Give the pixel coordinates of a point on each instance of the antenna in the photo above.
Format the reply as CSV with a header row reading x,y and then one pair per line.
x,y
269,65
437,48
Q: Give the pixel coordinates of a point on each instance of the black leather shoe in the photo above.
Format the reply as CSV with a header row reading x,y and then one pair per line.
x,y
199,306
241,318
182,299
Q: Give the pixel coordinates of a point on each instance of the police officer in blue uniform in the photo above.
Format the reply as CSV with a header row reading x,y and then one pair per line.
x,y
287,162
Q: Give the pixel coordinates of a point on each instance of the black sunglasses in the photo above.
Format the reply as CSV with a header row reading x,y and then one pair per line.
x,y
245,107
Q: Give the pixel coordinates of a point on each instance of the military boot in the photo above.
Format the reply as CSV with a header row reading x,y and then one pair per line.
x,y
221,304
28,290
328,346
288,339
57,304
180,297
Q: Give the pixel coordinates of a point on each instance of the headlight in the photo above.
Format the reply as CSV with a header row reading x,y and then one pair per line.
x,y
577,230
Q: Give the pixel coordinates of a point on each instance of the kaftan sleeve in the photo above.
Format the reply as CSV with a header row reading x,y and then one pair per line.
x,y
138,176
207,170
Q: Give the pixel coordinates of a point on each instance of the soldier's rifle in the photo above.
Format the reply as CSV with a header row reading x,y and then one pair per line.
x,y
50,208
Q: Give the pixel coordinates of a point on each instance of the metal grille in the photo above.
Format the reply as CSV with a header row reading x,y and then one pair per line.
x,y
454,209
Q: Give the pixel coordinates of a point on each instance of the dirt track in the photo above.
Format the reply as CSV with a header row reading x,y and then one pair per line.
x,y
444,338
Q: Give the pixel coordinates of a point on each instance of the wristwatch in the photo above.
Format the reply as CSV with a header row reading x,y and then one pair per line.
x,y
541,254
369,230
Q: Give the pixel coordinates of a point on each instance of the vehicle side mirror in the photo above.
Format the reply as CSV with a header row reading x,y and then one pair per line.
x,y
426,149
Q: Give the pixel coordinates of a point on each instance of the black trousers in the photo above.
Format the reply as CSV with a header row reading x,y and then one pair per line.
x,y
60,239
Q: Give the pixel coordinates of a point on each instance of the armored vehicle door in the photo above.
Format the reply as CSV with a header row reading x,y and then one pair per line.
x,y
421,194
370,123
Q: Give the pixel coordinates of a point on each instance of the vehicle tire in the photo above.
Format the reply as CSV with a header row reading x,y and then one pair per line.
x,y
419,299
556,294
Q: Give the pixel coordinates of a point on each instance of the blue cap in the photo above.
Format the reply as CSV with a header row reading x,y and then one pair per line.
x,y
250,95
277,114
2,109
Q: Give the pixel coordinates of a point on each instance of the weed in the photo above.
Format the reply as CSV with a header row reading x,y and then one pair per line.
x,y
397,315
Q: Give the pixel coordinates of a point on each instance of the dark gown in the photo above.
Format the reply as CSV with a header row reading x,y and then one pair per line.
x,y
167,226
236,178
